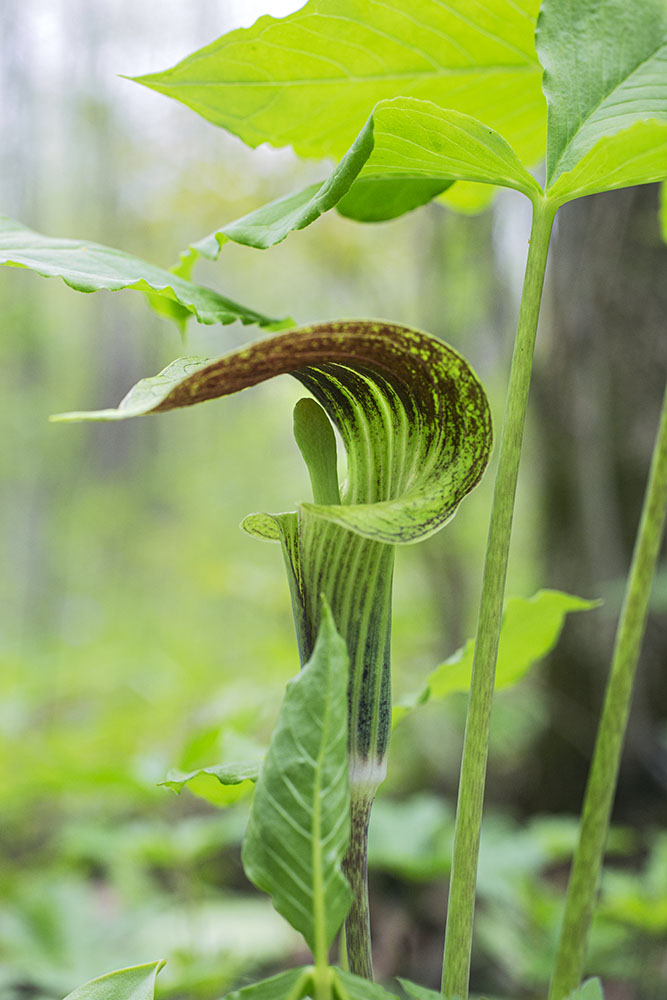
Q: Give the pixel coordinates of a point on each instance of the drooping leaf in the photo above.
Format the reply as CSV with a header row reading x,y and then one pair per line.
x,y
137,983
90,267
412,414
221,784
311,79
407,153
590,990
605,82
299,826
530,629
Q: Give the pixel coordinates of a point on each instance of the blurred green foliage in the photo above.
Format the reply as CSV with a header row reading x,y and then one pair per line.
x,y
140,630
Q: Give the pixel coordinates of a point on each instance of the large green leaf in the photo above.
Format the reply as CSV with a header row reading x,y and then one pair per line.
x,y
530,629
299,826
137,983
90,267
605,80
408,152
310,80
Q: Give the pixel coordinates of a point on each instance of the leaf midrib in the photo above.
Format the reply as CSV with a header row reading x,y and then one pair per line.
x,y
339,80
319,903
556,174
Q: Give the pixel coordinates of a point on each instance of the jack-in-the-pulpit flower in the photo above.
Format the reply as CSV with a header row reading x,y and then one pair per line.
x,y
416,429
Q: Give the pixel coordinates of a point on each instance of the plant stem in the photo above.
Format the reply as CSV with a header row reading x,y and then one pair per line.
x,y
599,796
461,904
355,866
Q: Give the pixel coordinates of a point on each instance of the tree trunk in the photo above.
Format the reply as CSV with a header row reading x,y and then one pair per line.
x,y
598,391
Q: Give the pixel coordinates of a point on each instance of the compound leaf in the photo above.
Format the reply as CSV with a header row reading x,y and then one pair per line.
x,y
310,80
137,983
90,267
299,826
605,80
408,153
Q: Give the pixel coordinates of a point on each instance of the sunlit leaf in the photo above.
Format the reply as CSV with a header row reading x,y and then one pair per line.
x,y
137,983
299,826
311,79
605,82
220,784
530,629
408,153
90,267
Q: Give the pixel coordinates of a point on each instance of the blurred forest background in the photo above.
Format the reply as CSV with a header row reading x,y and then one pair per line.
x,y
140,630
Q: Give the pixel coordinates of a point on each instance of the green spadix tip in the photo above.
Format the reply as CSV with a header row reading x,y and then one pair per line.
x,y
317,443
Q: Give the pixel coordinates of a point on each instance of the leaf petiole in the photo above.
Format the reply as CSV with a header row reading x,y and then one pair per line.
x,y
461,904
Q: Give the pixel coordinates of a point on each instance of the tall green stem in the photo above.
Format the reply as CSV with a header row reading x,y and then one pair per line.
x,y
601,786
461,905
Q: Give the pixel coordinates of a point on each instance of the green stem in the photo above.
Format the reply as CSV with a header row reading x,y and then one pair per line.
x,y
461,904
601,786
322,982
357,923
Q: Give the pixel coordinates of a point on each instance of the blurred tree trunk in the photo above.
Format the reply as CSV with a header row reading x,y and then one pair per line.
x,y
598,394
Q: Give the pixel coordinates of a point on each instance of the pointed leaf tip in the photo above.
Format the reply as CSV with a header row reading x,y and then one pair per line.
x,y
136,983
590,990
